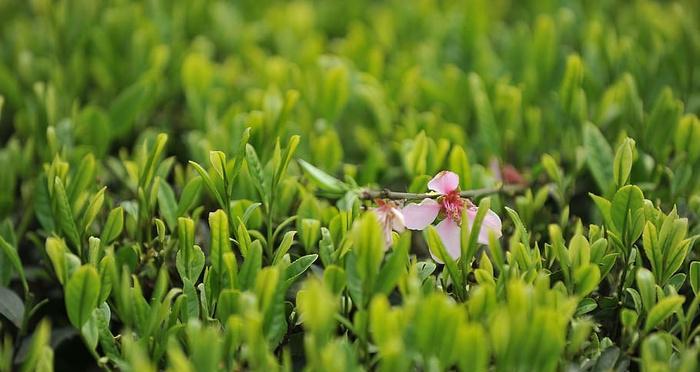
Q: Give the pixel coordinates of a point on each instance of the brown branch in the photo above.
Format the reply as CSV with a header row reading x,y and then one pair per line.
x,y
394,195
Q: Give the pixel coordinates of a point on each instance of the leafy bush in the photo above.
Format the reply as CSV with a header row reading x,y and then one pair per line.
x,y
204,185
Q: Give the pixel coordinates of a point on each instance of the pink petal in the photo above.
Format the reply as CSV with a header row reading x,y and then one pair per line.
x,y
444,182
388,238
419,216
397,221
491,222
450,235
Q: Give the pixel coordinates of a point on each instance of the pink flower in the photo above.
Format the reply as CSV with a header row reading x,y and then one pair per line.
x,y
450,205
391,219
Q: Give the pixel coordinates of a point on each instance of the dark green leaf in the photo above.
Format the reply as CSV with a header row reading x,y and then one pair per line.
x,y
11,306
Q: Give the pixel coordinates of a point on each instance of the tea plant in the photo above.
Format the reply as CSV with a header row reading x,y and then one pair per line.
x,y
201,185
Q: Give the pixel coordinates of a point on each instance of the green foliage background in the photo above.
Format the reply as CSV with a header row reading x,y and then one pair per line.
x,y
154,214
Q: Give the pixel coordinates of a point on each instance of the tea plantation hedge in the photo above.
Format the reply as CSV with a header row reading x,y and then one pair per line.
x,y
199,185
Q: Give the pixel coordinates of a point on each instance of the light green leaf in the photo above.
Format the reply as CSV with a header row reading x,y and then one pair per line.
x,y
189,196
149,169
251,266
695,276
257,172
662,310
394,266
284,247
113,227
92,209
599,157
220,243
126,107
587,278
647,288
81,179
11,253
622,165
323,180
627,213
64,214
286,158
298,267
213,190
167,203
81,295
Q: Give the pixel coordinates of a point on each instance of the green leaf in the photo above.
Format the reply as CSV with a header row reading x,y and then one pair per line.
x,y
283,248
126,107
662,310
93,209
695,276
629,318
90,330
438,250
213,190
190,268
368,246
257,172
40,354
81,295
647,288
309,232
149,169
395,265
586,306
185,239
189,196
298,267
622,165
227,303
83,177
488,129
43,205
167,203
217,159
286,158
334,278
627,213
599,157
220,243
113,227
459,164
64,215
251,266
604,206
11,253
323,180
551,167
520,226
587,278
56,250
469,235
11,306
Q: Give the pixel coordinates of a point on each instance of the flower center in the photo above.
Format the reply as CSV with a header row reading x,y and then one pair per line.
x,y
452,205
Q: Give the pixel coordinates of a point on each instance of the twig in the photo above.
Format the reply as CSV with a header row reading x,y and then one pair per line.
x,y
394,195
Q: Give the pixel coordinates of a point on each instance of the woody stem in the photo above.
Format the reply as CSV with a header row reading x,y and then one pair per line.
x,y
394,195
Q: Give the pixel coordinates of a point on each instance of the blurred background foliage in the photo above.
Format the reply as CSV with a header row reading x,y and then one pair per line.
x,y
382,93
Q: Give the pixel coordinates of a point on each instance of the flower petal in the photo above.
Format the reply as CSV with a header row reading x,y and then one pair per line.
x,y
444,182
397,221
419,216
491,222
450,234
